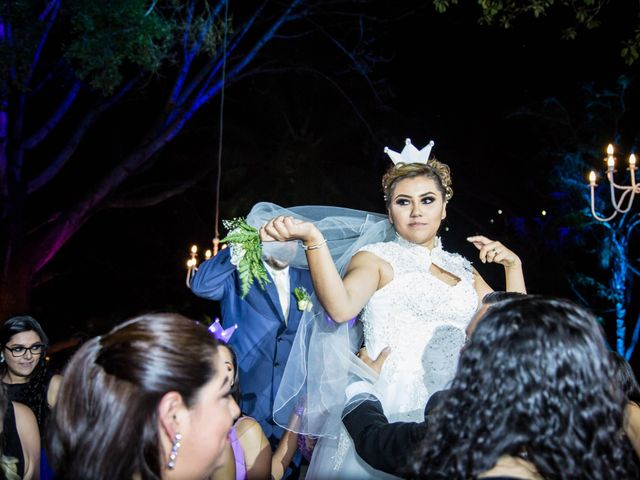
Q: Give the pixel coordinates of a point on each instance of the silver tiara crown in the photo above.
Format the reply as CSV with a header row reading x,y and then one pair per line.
x,y
410,154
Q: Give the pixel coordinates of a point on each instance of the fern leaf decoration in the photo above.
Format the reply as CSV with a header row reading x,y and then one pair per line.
x,y
246,253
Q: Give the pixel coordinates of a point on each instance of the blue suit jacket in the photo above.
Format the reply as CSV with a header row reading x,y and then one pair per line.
x,y
263,340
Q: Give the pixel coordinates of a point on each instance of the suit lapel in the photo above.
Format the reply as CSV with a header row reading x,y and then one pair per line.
x,y
294,313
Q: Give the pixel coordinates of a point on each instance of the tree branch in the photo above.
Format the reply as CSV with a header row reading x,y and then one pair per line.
x,y
51,11
207,72
165,193
69,149
206,91
51,123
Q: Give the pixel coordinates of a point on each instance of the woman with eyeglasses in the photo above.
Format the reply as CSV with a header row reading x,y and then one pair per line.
x,y
24,372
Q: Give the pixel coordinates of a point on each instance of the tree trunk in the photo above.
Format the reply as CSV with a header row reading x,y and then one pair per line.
x,y
15,288
619,285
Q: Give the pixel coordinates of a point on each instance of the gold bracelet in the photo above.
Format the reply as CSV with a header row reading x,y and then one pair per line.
x,y
314,247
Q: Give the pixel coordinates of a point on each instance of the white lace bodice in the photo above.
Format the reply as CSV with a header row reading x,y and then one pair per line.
x,y
422,319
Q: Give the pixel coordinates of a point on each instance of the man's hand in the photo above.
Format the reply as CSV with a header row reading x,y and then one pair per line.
x,y
375,365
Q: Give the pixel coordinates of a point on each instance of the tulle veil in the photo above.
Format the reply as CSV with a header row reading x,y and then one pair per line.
x,y
322,362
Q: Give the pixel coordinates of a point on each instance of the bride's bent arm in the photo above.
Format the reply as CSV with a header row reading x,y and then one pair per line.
x,y
342,299
491,251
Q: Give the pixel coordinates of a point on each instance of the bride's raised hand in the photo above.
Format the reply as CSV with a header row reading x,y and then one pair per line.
x,y
494,252
282,229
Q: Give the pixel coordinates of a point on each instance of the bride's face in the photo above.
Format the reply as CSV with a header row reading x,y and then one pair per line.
x,y
416,210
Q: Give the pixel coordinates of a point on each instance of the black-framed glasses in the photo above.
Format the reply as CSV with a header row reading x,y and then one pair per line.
x,y
19,351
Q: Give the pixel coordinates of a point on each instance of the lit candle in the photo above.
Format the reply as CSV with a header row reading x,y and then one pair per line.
x,y
190,264
207,254
194,249
610,158
632,161
592,178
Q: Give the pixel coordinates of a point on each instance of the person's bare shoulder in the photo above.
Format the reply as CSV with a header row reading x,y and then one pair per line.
x,y
52,392
248,426
24,414
29,434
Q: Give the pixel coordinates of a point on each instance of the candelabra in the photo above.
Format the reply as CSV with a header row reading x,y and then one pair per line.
x,y
623,203
192,263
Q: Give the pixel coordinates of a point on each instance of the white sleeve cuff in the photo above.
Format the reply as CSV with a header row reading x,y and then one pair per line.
x,y
359,387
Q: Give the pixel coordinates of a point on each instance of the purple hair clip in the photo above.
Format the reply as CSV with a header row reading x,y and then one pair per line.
x,y
221,334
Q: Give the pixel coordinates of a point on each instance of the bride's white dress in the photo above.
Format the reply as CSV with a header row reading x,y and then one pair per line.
x,y
423,320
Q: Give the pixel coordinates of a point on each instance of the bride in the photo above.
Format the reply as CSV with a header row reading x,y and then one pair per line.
x,y
409,294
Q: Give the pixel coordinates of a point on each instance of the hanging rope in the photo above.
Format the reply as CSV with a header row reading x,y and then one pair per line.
x,y
216,238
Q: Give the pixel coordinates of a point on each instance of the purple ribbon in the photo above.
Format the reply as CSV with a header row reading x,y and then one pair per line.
x,y
351,322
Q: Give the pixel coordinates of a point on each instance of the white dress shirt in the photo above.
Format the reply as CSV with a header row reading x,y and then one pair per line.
x,y
283,285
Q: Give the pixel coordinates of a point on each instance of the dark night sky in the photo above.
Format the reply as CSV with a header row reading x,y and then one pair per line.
x,y
293,139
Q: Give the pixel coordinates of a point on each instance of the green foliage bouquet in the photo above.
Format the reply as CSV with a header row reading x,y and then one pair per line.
x,y
246,253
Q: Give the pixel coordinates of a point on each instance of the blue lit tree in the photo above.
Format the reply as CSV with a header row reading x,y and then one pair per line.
x,y
598,253
73,72
574,141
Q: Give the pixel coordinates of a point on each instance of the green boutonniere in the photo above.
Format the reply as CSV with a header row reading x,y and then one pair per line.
x,y
303,298
246,253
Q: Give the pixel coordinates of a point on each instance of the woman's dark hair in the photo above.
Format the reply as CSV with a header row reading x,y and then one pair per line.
x,y
624,377
105,424
534,381
500,296
4,403
35,394
235,389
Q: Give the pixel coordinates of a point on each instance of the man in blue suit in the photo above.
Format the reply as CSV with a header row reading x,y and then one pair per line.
x,y
267,323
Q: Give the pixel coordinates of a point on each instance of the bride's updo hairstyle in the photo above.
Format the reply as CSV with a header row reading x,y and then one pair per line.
x,y
437,171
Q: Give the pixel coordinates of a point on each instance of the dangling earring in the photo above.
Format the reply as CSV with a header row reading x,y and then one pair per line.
x,y
174,451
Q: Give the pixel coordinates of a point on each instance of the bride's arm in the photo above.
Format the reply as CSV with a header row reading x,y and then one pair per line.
x,y
491,251
342,299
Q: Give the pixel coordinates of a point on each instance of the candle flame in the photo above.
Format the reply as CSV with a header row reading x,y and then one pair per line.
x,y
194,249
632,160
610,149
207,254
592,177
